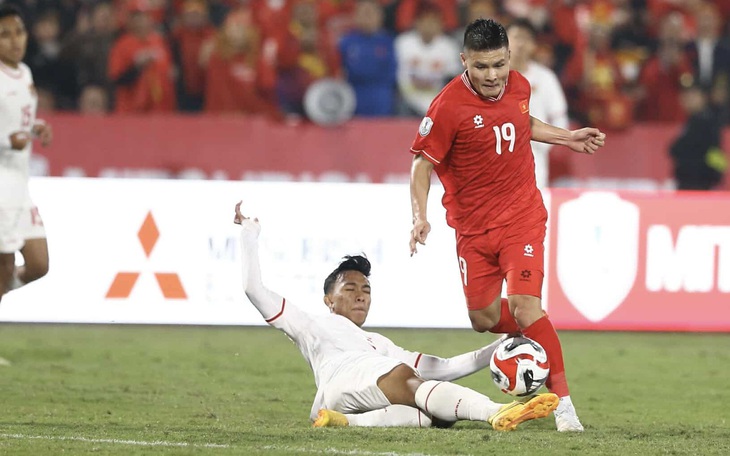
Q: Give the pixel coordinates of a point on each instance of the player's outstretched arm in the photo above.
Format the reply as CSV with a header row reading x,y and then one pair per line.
x,y
585,140
268,303
432,367
421,170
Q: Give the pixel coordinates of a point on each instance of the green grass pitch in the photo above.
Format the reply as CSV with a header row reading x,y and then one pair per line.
x,y
127,390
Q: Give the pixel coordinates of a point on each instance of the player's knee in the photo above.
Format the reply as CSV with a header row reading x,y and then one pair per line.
x,y
483,322
526,309
7,266
35,271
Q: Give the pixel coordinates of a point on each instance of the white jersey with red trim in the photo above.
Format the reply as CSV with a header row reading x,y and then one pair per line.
x,y
330,341
322,338
18,102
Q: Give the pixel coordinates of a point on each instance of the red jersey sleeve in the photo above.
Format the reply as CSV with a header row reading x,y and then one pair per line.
x,y
436,133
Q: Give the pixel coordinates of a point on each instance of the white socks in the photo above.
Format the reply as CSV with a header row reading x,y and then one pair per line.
x,y
391,416
451,402
565,404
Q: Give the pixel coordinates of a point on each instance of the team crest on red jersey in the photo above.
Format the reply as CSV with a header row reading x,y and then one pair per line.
x,y
524,106
425,127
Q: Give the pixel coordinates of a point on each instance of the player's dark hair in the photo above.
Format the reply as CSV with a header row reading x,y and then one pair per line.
x,y
485,35
524,24
10,10
349,263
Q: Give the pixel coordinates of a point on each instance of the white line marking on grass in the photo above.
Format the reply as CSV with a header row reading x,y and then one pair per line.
x,y
338,451
161,443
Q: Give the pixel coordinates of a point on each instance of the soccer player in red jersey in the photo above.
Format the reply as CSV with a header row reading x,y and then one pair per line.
x,y
476,136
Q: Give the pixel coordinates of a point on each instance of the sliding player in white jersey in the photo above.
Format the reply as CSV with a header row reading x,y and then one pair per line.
x,y
363,378
21,227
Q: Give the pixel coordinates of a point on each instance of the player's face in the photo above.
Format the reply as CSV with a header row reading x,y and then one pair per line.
x,y
350,297
13,40
521,43
487,70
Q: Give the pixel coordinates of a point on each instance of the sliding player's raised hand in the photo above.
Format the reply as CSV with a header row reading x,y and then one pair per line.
x,y
247,223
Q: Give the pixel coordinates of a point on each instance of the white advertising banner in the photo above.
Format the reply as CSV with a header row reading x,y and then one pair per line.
x,y
161,251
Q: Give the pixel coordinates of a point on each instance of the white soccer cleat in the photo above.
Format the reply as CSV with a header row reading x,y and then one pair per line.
x,y
566,419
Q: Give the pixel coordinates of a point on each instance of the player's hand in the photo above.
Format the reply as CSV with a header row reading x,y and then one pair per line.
x,y
586,140
249,225
19,140
44,132
419,233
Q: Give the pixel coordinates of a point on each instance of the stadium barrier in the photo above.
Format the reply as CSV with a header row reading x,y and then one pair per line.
x,y
166,251
362,150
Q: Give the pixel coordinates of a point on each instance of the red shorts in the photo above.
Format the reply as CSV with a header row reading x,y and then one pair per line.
x,y
514,252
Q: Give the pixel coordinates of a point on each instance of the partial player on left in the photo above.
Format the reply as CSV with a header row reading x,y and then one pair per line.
x,y
21,227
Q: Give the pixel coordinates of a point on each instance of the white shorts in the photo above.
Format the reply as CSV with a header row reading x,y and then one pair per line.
x,y
18,224
354,388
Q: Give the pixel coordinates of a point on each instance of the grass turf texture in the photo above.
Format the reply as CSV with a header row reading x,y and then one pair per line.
x,y
179,390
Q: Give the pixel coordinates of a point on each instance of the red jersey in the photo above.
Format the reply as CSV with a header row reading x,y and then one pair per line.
x,y
481,151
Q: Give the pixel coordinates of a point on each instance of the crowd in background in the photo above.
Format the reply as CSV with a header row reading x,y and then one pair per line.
x,y
619,61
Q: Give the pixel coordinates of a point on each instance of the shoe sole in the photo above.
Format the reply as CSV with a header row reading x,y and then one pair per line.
x,y
538,407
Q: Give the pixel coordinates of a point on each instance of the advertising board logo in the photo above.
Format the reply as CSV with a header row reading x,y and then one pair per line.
x,y
597,252
169,282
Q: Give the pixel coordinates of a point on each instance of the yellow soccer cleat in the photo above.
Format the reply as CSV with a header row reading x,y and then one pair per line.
x,y
511,415
330,418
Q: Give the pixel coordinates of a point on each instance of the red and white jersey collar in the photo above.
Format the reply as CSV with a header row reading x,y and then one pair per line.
x,y
467,83
15,73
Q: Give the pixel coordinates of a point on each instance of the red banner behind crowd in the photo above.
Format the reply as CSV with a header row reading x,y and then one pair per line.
x,y
640,261
359,151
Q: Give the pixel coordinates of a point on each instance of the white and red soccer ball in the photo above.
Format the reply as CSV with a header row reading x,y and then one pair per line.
x,y
519,366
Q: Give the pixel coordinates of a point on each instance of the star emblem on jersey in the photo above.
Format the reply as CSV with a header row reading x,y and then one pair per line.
x,y
478,121
526,274
524,106
529,250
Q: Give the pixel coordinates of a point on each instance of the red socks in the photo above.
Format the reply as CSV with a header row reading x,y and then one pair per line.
x,y
544,333
507,323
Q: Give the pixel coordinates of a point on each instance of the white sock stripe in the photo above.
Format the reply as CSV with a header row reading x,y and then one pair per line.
x,y
425,402
456,409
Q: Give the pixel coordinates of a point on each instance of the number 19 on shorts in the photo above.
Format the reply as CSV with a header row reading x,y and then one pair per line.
x,y
462,268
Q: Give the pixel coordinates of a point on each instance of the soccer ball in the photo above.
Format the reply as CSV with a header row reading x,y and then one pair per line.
x,y
519,366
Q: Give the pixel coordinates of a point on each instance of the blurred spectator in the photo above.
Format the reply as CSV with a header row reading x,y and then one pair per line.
x,y
46,100
86,50
271,15
547,101
567,34
594,81
93,101
368,58
189,33
43,56
65,10
630,39
476,9
305,55
709,58
233,69
426,60
699,161
664,74
155,9
140,67
408,11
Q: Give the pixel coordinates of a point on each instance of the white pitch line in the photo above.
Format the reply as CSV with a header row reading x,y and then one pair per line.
x,y
161,443
338,451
